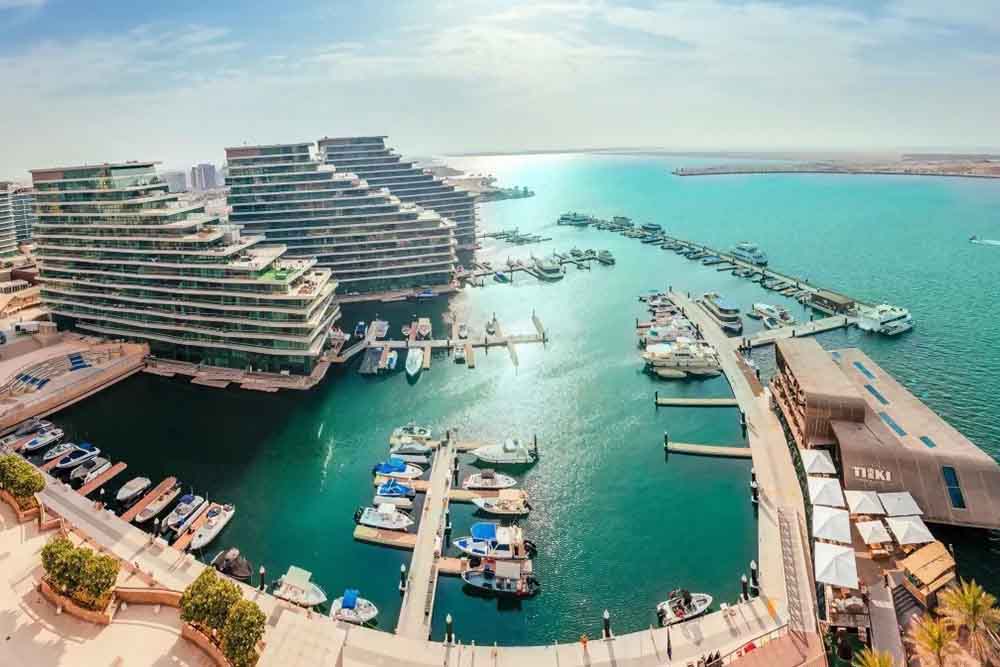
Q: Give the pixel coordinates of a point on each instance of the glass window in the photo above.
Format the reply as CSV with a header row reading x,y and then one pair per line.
x,y
954,488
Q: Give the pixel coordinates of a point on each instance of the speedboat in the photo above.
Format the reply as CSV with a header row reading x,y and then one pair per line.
x,y
187,510
413,432
360,329
759,310
459,354
295,586
509,502
83,452
885,319
490,540
414,361
504,578
750,253
771,323
385,517
512,451
32,425
424,328
218,517
785,317
132,489
397,468
407,447
158,504
43,439
682,605
58,451
352,608
488,479
89,469
394,493
232,564
463,331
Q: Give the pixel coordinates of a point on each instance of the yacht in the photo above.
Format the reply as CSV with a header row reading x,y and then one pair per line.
x,y
424,329
576,253
885,319
43,439
89,470
218,517
682,358
682,605
750,253
295,586
511,451
652,227
412,432
760,310
548,269
232,564
385,517
81,453
187,510
132,489
58,451
503,578
398,468
159,503
414,361
488,480
490,540
605,257
727,315
352,608
508,502
660,333
574,219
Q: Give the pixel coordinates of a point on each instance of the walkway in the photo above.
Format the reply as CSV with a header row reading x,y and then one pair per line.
x,y
768,337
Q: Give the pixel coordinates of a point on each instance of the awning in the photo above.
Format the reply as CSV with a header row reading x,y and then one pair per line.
x,y
873,532
899,503
835,565
831,524
909,530
817,462
825,491
864,502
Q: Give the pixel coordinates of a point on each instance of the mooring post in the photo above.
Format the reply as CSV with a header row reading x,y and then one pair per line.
x,y
449,630
656,398
744,588
402,578
607,624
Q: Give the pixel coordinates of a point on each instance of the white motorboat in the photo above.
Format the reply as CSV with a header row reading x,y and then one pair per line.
x,y
463,331
503,578
725,314
414,361
89,470
158,504
58,451
511,451
785,317
670,332
408,446
681,606
424,328
394,493
488,479
885,319
132,489
33,425
416,459
509,502
295,586
412,432
398,468
352,608
188,509
218,517
44,439
385,516
401,503
681,358
771,323
750,253
759,310
459,354
81,453
490,540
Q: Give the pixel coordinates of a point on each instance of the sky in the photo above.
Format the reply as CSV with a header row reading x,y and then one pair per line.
x,y
178,81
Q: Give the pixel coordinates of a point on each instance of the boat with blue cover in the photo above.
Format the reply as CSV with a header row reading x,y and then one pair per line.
x,y
352,608
504,578
394,493
491,540
398,468
188,509
83,452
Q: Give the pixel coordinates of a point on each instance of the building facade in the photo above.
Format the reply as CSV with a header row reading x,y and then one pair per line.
x,y
203,177
177,180
381,166
121,256
8,236
368,238
23,204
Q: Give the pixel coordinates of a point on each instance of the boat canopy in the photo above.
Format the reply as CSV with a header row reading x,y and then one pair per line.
x,y
392,486
392,465
186,499
350,600
297,578
484,531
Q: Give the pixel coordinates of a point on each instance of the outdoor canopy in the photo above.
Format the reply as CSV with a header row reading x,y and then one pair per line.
x,y
899,503
909,530
831,524
825,491
817,462
835,565
873,532
864,502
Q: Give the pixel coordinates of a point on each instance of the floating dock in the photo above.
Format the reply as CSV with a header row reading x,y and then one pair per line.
x,y
103,478
768,337
666,401
709,450
150,496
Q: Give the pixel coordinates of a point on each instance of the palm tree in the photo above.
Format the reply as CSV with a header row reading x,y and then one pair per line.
x,y
933,639
870,658
968,606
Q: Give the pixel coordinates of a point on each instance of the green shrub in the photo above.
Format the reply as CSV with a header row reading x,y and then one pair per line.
x,y
207,600
79,572
54,556
99,575
244,628
20,478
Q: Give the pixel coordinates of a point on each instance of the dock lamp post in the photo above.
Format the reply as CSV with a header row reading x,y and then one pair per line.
x,y
263,573
744,587
449,630
607,624
402,578
754,579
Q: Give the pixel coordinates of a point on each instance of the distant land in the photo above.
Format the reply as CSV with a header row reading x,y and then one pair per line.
x,y
958,166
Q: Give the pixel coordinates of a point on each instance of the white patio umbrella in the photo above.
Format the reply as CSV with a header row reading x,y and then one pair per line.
x,y
899,503
817,462
909,530
835,565
831,524
825,491
873,532
864,502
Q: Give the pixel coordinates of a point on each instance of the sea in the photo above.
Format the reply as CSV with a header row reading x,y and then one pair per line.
x,y
618,525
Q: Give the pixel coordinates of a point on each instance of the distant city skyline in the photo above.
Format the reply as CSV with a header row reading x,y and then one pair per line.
x,y
182,81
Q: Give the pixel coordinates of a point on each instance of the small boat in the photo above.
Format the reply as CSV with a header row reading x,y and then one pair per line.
x,y
132,489
158,504
425,294
218,517
43,439
459,354
83,452
408,447
490,540
418,459
424,328
509,502
771,323
394,493
351,608
491,327
760,310
89,470
360,329
503,578
405,329
397,468
576,252
58,451
463,331
682,605
785,317
501,277
295,586
413,432
232,564
187,510
391,360
33,425
488,479
512,451
605,257
385,516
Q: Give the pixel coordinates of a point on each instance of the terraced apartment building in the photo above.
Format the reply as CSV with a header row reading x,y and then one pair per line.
x,y
121,256
24,212
366,236
381,166
8,242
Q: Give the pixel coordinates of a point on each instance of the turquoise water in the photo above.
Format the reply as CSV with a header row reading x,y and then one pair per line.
x,y
617,525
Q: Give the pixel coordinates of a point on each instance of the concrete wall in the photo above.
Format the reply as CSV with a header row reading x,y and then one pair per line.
x,y
71,608
160,596
200,640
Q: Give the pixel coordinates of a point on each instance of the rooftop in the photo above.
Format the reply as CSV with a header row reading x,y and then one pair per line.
x,y
815,370
111,165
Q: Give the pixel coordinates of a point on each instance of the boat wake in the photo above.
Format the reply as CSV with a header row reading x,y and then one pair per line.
x,y
984,241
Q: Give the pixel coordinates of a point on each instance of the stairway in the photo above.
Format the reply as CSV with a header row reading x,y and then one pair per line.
x,y
906,606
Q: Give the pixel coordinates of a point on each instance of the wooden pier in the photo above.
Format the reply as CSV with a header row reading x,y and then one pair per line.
x,y
768,337
708,450
150,496
103,478
669,401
